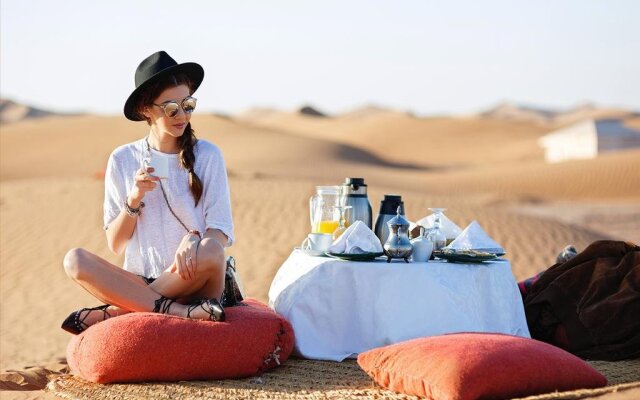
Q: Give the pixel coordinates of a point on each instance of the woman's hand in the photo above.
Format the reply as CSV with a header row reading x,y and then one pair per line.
x,y
186,257
143,183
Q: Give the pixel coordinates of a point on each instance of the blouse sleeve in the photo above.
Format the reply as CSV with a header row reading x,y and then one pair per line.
x,y
216,202
115,191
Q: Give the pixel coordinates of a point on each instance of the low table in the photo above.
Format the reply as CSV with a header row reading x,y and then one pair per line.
x,y
341,308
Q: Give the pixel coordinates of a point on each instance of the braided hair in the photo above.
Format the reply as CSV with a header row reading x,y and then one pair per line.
x,y
188,139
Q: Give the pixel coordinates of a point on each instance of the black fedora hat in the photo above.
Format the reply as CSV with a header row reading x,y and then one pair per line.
x,y
154,67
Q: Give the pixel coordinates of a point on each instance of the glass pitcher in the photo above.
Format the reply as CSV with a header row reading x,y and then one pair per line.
x,y
322,212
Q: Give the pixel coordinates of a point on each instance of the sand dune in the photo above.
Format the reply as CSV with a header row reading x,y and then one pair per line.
x,y
87,142
253,151
549,118
10,111
488,170
429,142
515,112
369,111
593,113
616,176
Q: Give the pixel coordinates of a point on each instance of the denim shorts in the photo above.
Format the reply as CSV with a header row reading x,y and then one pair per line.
x,y
148,281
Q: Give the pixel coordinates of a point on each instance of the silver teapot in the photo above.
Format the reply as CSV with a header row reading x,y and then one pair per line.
x,y
398,244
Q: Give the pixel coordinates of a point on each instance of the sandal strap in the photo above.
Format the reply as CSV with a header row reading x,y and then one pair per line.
x,y
193,306
79,322
162,305
213,308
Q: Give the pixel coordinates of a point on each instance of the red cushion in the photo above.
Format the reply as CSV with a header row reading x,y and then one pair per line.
x,y
477,365
156,347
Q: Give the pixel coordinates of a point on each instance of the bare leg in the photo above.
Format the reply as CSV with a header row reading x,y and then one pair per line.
x,y
76,264
118,287
208,282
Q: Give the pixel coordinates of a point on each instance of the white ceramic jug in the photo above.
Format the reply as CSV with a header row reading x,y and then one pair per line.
x,y
422,247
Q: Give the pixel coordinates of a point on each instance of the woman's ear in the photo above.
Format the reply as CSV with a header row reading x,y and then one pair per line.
x,y
146,113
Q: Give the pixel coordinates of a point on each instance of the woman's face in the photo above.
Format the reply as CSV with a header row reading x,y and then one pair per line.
x,y
173,126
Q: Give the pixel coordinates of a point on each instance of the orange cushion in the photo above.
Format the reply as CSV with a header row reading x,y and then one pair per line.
x,y
477,365
139,347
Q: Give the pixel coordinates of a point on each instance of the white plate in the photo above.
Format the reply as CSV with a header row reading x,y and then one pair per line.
x,y
309,252
356,257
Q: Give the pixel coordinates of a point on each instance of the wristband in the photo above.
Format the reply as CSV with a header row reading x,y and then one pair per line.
x,y
133,212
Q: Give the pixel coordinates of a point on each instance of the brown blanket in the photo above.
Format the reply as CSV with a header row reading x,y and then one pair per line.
x,y
590,305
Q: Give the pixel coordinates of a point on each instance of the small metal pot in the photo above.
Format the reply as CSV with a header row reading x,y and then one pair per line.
x,y
398,244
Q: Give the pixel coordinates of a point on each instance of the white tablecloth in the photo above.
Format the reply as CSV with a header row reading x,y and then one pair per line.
x,y
341,308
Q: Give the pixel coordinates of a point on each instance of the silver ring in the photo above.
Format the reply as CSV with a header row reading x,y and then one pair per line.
x,y
188,259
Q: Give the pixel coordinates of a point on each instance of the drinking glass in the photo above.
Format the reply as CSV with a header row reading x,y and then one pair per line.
x,y
341,220
436,236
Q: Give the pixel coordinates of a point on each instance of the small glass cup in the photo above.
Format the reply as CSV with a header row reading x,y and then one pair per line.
x,y
341,221
435,235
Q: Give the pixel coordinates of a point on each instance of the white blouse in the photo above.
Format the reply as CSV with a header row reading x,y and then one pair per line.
x,y
158,233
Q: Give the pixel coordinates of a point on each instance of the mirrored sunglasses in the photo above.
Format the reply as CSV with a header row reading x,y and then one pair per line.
x,y
171,108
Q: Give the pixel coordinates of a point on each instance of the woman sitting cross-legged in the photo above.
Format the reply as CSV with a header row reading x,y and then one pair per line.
x,y
173,230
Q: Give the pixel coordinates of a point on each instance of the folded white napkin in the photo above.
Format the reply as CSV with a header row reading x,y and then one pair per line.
x,y
448,227
473,237
357,239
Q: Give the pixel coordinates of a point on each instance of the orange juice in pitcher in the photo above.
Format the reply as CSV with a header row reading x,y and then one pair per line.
x,y
323,216
326,227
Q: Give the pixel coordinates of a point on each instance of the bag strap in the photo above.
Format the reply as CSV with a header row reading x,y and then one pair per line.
x,y
164,194
171,209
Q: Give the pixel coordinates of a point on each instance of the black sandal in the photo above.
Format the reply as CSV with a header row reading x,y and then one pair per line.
x,y
215,310
75,325
163,304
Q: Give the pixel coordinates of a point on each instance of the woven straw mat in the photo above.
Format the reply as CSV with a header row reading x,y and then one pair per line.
x,y
304,379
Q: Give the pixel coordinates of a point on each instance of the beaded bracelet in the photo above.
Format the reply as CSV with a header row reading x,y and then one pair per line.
x,y
133,212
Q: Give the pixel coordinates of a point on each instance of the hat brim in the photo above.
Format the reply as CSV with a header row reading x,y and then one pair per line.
x,y
194,71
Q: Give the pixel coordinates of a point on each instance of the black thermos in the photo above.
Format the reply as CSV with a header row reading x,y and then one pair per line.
x,y
388,209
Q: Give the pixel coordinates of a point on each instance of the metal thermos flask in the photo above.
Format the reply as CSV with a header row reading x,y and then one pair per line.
x,y
388,209
354,192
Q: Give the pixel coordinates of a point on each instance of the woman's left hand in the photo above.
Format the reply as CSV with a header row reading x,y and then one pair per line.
x,y
186,257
